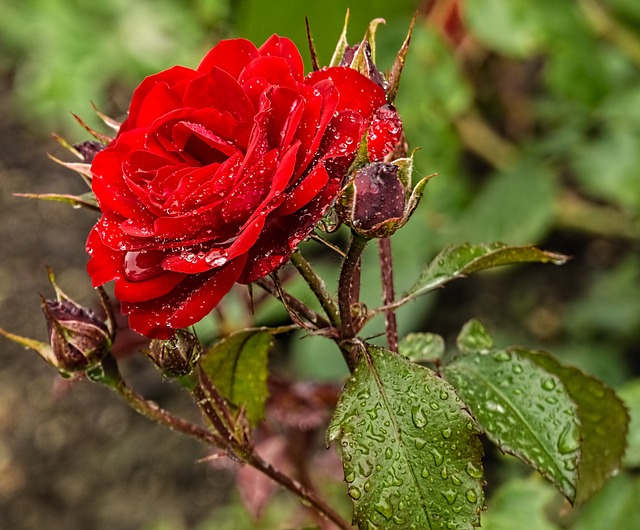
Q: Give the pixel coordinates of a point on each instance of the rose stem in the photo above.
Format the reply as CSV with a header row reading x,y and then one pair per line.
x,y
304,493
347,287
317,286
152,411
386,273
313,317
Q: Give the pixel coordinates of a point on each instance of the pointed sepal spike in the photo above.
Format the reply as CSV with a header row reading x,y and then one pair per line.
x,y
67,146
108,121
87,200
105,139
44,350
370,35
312,48
79,167
396,70
342,44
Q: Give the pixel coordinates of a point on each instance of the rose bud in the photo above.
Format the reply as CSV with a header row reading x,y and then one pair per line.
x,y
384,134
178,356
378,200
363,62
88,150
77,337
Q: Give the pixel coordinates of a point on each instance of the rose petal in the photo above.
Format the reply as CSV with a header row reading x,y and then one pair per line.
x,y
188,303
357,93
230,56
157,95
285,48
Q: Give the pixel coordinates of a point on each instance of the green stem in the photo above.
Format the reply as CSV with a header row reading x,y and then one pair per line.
x,y
349,277
317,286
157,414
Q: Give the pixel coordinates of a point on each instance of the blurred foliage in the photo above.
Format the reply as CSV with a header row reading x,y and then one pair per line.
x,y
530,114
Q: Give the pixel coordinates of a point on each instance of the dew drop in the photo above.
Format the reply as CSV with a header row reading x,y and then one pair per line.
x,y
548,384
450,495
350,476
437,457
502,356
568,441
446,433
471,496
418,417
354,493
425,473
473,471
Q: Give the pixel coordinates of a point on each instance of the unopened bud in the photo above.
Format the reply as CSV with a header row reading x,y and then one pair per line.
x,y
359,57
88,150
378,200
178,356
78,339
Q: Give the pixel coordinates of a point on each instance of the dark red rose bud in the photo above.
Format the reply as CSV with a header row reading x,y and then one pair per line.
x,y
363,62
379,196
378,200
78,338
88,150
178,356
384,134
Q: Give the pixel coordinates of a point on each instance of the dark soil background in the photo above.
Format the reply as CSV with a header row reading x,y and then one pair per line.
x,y
73,457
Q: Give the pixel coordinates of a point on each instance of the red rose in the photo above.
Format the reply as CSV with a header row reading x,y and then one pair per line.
x,y
217,174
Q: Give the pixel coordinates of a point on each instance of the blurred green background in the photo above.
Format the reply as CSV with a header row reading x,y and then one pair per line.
x,y
528,111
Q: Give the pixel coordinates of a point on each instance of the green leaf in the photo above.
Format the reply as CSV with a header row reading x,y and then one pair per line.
x,y
567,425
616,506
237,367
524,410
473,337
630,393
603,423
411,453
457,262
520,503
422,347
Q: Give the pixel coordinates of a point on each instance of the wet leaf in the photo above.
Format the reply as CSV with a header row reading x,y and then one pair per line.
x,y
524,410
520,503
457,262
422,347
630,393
567,425
603,420
411,453
615,506
237,367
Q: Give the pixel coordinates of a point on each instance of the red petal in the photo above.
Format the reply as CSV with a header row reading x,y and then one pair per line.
x,y
229,55
189,302
356,91
285,48
305,191
157,95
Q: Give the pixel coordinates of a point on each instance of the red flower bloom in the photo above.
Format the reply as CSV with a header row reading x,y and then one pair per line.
x,y
217,175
